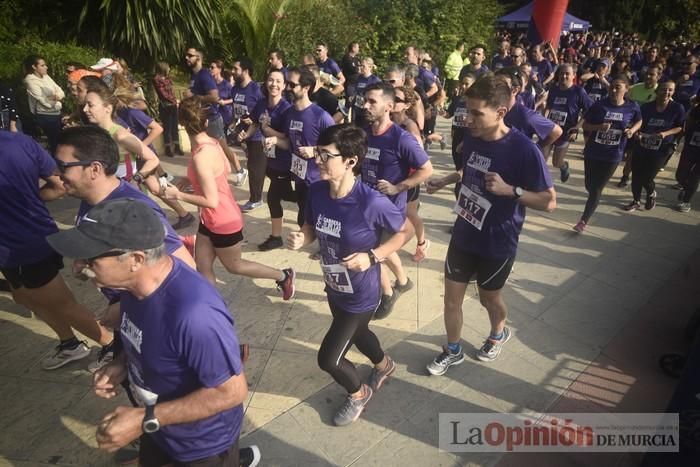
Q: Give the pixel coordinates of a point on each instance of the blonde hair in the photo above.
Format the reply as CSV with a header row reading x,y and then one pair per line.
x,y
192,116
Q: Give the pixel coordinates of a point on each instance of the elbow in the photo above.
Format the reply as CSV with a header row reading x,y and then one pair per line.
x,y
551,203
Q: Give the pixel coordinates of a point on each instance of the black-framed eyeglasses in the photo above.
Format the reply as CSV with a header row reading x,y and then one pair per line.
x,y
292,84
63,166
324,155
91,261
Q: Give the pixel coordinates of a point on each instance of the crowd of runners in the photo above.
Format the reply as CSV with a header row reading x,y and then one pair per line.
x,y
350,146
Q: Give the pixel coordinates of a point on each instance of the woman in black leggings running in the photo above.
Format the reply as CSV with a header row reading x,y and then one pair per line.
x,y
611,121
348,218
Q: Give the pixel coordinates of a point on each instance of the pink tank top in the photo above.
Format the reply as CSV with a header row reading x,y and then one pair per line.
x,y
226,218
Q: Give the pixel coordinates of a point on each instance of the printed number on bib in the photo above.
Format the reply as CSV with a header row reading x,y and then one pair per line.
x,y
460,118
359,101
239,110
695,139
608,138
650,141
299,166
558,117
472,207
337,277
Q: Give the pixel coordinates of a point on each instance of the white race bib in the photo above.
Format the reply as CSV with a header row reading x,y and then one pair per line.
x,y
359,101
337,278
558,117
608,138
650,141
270,152
460,117
695,139
299,166
239,110
472,207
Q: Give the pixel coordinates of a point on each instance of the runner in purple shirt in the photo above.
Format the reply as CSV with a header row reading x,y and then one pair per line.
x,y
223,85
662,119
303,122
503,172
349,219
394,165
28,263
611,121
364,79
181,352
565,104
328,65
270,115
542,68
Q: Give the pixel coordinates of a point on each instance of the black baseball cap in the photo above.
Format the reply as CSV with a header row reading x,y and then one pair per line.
x,y
121,224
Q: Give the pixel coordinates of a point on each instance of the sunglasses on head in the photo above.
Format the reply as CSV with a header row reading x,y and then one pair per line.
x,y
63,166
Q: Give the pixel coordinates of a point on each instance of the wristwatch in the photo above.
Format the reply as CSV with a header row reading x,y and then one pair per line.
x,y
373,257
518,192
137,177
150,423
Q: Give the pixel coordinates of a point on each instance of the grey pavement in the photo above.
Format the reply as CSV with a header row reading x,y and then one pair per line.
x,y
590,315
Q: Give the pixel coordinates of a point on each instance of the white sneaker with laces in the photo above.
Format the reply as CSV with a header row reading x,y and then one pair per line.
x,y
64,355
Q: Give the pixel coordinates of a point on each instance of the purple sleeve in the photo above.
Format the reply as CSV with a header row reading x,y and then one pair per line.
x,y
595,114
208,82
140,117
45,163
637,114
541,126
326,120
585,100
258,110
412,151
335,69
534,175
384,214
210,346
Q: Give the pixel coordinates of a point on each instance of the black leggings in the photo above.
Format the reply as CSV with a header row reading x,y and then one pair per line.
x,y
302,190
168,116
596,174
257,163
348,329
280,189
645,167
688,175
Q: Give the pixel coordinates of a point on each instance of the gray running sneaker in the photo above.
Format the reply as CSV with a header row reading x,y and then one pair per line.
x,y
64,355
377,377
352,408
492,349
443,361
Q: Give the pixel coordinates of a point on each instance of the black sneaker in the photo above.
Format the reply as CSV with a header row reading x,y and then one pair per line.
x,y
271,243
623,182
403,288
651,202
184,222
386,305
249,456
564,173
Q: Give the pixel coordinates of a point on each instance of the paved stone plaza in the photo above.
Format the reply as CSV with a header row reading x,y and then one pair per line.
x,y
590,313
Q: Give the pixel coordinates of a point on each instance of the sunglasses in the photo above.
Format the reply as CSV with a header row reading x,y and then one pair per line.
x,y
63,166
319,50
324,155
91,261
213,67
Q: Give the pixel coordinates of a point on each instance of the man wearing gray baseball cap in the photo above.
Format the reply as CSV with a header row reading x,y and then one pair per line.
x,y
180,349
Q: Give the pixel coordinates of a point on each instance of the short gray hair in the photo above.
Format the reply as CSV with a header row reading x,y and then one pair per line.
x,y
152,254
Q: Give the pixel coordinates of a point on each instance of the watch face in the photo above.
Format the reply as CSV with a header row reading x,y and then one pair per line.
x,y
151,426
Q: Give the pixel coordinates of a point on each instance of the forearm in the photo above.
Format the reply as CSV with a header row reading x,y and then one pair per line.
x,y
593,126
283,142
451,179
541,201
396,241
418,177
197,200
202,403
671,132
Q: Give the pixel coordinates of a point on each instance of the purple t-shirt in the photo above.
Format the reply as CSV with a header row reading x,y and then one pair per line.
x,y
542,69
566,105
595,89
277,159
360,86
329,66
425,79
136,121
353,224
685,90
24,218
390,156
200,84
477,72
528,122
179,339
488,225
226,111
499,62
654,122
610,145
303,127
527,99
244,101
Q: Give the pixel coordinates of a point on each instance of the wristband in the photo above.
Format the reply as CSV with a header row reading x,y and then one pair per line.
x,y
137,177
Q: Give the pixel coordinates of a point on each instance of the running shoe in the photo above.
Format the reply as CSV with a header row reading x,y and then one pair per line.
x,y
564,173
421,251
239,178
65,353
442,362
386,305
580,226
184,222
633,206
677,186
271,243
681,195
492,348
651,202
352,408
683,207
287,284
404,288
249,456
251,206
105,357
623,182
377,377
